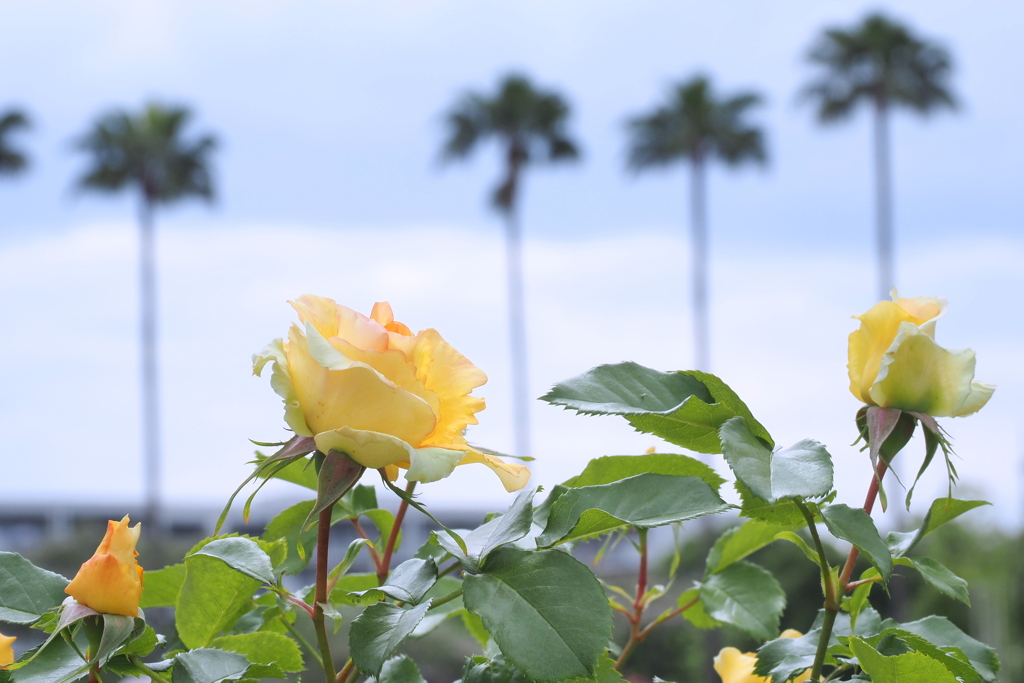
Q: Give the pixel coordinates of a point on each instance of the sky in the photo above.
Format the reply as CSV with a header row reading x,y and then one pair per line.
x,y
329,117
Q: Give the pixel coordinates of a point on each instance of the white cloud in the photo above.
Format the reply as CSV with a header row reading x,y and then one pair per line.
x,y
69,413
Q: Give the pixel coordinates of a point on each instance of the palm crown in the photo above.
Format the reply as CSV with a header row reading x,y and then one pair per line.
x,y
692,125
530,123
149,151
12,161
878,61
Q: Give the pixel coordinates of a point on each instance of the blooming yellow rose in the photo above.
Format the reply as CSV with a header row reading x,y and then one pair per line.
x,y
370,388
111,580
738,667
6,651
895,362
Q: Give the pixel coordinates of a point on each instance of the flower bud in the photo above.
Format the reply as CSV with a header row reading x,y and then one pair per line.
x,y
111,580
6,651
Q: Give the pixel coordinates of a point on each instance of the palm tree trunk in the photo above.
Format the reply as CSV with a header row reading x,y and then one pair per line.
x,y
883,202
699,247
517,332
149,387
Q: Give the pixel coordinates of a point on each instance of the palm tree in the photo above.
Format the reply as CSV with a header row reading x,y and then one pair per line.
x,y
12,161
696,126
148,153
881,63
529,126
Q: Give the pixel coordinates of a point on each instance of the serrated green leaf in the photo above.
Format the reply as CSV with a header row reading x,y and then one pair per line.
x,y
54,663
435,617
26,591
612,468
695,612
208,665
746,596
545,610
739,542
943,633
507,528
350,589
856,526
797,540
783,513
264,647
212,598
803,470
939,577
162,586
644,501
684,408
911,667
409,581
783,658
384,520
400,670
896,641
376,633
942,510
243,555
494,670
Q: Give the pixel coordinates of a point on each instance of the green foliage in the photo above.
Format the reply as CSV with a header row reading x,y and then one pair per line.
x,y
209,665
535,605
746,596
26,591
939,577
502,530
684,408
265,649
379,630
641,501
612,468
163,586
783,658
855,526
942,511
739,542
801,471
400,670
212,597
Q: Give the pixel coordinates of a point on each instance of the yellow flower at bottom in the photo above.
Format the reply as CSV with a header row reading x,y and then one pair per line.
x,y
111,580
6,651
738,667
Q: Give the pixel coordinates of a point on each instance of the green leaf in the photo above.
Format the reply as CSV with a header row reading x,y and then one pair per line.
x,y
809,552
684,408
384,520
943,633
545,610
435,617
409,581
942,510
504,529
494,670
26,591
243,555
644,501
351,553
162,586
739,542
783,513
288,526
351,587
264,647
896,641
911,667
400,670
856,526
612,468
783,658
746,596
55,662
212,598
803,470
207,665
376,633
695,612
939,577
299,471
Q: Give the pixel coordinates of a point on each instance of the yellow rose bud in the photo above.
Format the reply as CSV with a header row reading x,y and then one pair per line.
x,y
738,667
895,362
111,580
367,386
6,651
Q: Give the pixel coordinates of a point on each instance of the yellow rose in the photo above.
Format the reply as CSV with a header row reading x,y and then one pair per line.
x,y
369,387
738,667
895,362
111,580
6,651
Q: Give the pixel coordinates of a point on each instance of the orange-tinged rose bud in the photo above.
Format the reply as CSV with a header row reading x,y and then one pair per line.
x,y
111,581
6,651
738,667
368,387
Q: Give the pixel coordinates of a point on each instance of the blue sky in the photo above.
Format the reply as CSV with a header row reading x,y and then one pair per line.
x,y
329,115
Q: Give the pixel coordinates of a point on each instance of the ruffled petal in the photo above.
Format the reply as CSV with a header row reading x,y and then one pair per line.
x,y
918,375
451,376
736,667
393,365
924,311
334,320
281,383
513,477
120,540
108,586
335,391
976,400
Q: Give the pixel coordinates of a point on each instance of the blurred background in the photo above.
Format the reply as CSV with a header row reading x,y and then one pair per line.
x,y
715,185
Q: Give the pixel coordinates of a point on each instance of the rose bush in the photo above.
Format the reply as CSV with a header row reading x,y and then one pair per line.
x,y
894,361
111,580
370,388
